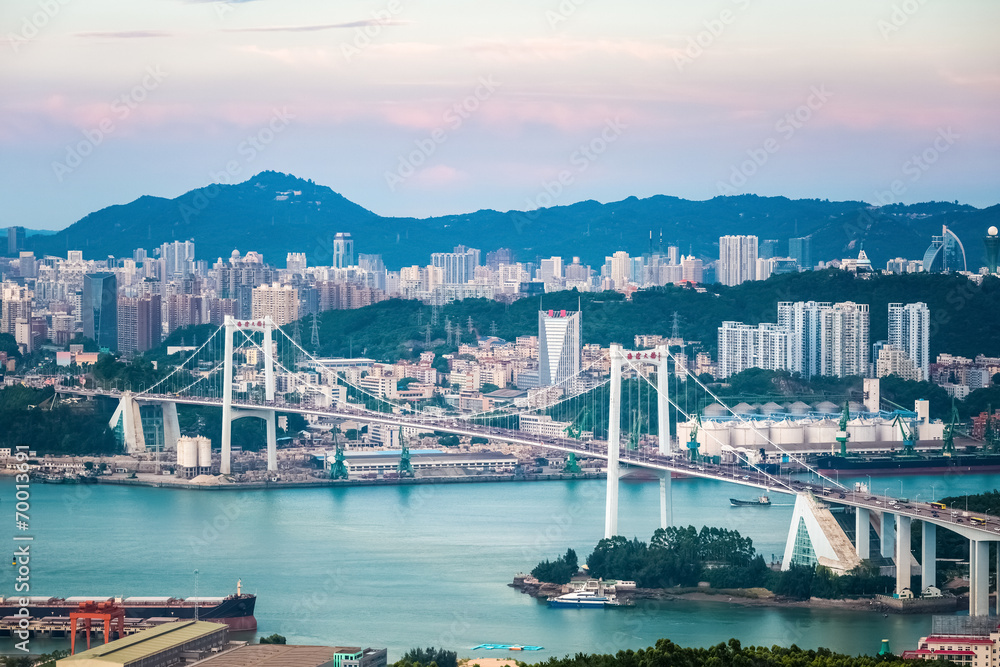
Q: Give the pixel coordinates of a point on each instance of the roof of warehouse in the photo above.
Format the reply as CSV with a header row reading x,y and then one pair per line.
x,y
148,642
273,655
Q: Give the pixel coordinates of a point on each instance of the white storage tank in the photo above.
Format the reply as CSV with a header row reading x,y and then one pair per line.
x,y
827,408
822,431
180,451
787,432
861,430
204,452
744,409
799,408
189,456
712,436
772,409
887,431
715,410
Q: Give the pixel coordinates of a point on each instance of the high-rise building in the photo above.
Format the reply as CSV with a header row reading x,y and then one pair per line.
x,y
825,339
894,361
17,304
551,269
27,264
992,243
177,258
281,302
296,262
620,269
945,253
100,309
909,331
459,266
737,259
800,250
15,240
768,248
139,323
692,269
743,346
343,250
558,346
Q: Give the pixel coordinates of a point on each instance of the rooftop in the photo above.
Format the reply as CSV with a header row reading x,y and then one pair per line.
x,y
147,642
274,655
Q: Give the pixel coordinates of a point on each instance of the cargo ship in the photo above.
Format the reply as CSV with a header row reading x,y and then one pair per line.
x,y
917,464
236,611
761,500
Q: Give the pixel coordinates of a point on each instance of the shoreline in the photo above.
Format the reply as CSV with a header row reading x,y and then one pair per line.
x,y
745,597
319,483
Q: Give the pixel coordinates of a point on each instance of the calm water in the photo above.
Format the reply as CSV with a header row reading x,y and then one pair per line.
x,y
424,565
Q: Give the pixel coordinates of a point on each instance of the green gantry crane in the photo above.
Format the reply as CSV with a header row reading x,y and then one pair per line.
x,y
909,435
948,448
575,431
842,435
405,468
339,469
693,439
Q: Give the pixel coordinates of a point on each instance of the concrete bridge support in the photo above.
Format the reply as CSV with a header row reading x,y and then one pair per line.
x,y
228,414
862,533
663,424
902,553
928,553
127,413
887,535
614,443
979,578
171,427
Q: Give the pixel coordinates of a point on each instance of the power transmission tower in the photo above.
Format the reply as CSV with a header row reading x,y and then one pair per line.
x,y
469,324
315,331
493,328
447,330
676,331
427,336
420,318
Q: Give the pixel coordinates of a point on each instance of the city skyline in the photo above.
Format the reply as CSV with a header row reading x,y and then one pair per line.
x,y
432,110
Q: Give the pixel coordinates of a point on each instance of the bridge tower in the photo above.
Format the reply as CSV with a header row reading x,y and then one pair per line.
x,y
265,325
660,358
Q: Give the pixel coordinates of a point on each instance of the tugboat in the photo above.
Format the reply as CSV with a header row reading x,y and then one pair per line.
x,y
761,500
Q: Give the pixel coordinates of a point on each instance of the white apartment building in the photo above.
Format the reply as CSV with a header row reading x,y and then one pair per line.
x,y
909,331
737,259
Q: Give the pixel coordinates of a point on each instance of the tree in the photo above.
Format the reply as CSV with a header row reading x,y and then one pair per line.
x,y
488,387
404,383
351,434
427,656
996,379
477,440
273,639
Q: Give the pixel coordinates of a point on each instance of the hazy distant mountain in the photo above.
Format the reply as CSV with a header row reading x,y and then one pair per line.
x,y
276,213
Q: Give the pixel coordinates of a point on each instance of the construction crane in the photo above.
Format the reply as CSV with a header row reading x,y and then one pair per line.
x,y
339,469
405,468
909,434
693,439
842,435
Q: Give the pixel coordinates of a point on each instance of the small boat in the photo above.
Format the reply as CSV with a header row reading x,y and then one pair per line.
x,y
579,599
761,500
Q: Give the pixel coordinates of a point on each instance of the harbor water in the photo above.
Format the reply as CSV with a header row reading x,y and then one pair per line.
x,y
424,565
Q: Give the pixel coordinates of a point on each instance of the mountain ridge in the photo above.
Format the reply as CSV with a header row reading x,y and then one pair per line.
x,y
276,213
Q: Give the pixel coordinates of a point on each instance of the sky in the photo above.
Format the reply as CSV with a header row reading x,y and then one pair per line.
x,y
433,107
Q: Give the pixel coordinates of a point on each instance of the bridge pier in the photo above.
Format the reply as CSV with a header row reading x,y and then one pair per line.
x,y
663,428
171,427
862,533
928,553
979,578
902,552
614,443
225,467
887,534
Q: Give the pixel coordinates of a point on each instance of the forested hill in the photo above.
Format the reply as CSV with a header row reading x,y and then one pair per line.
x,y
964,317
276,213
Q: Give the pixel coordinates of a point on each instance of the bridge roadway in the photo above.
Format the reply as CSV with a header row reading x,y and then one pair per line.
x,y
644,458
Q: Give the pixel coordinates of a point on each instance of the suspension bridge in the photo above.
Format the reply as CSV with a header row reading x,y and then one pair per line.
x,y
253,368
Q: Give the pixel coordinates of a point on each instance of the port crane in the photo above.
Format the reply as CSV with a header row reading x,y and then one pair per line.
x,y
909,434
693,438
339,469
405,467
948,448
842,435
575,430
